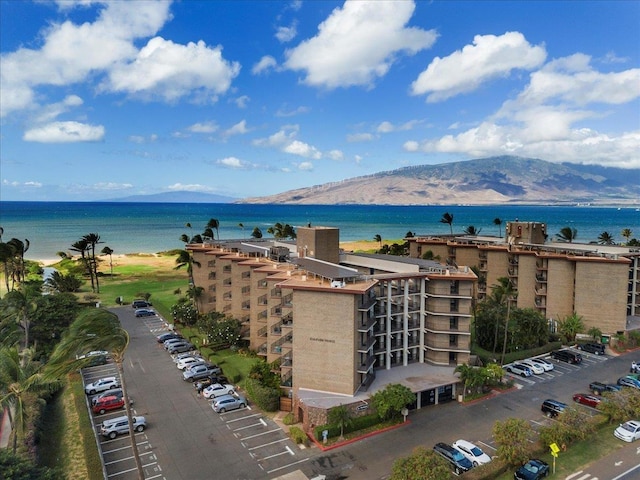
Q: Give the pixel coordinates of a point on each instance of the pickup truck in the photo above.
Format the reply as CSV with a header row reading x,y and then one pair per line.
x,y
598,388
198,372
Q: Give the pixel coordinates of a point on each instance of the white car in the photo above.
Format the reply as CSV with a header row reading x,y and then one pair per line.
x,y
181,356
94,353
101,385
628,431
547,365
217,390
188,362
533,365
474,453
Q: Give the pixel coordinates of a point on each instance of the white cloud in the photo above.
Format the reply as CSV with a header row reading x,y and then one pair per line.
x,y
302,149
141,139
70,52
265,64
305,166
291,113
29,184
465,70
285,141
335,155
206,127
411,146
358,43
360,137
52,111
193,187
111,186
242,101
388,127
64,132
286,34
239,128
171,71
233,163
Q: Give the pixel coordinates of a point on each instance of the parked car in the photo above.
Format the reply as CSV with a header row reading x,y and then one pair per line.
x,y
197,372
181,356
211,379
534,469
628,431
113,391
145,312
546,364
104,404
459,463
188,361
629,382
518,369
218,390
552,408
139,303
101,385
535,367
595,348
180,347
598,388
228,402
93,353
566,356
168,336
171,341
586,399
472,452
120,425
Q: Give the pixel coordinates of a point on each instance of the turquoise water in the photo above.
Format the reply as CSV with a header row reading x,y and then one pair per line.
x,y
153,227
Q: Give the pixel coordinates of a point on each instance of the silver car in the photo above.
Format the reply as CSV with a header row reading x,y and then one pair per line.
x,y
120,425
228,402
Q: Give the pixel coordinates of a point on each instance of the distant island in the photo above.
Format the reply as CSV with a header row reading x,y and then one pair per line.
x,y
176,197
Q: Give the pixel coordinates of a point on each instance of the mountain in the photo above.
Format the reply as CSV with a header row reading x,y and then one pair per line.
x,y
494,180
176,197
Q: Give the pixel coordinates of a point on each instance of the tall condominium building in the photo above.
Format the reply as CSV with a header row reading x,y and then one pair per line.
x,y
341,326
601,283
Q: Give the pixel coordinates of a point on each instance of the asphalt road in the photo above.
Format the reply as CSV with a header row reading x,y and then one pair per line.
x,y
190,441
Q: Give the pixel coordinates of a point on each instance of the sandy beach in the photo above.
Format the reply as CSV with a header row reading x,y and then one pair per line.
x,y
168,261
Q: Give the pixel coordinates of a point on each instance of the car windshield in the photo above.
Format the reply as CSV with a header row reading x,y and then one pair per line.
x,y
531,468
457,456
628,427
476,452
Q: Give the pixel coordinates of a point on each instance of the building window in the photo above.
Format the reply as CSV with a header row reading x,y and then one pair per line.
x,y
453,340
453,305
453,323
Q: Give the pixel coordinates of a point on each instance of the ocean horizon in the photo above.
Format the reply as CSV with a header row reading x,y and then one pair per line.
x,y
130,227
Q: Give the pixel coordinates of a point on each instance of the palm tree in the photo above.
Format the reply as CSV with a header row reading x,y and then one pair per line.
x,y
20,379
567,234
97,329
471,230
498,222
378,239
241,226
570,326
6,254
340,416
605,238
19,248
81,246
626,233
448,219
185,259
20,304
501,294
256,233
208,233
282,231
92,240
109,251
215,225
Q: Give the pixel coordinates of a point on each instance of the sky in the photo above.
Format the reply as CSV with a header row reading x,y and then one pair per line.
x,y
102,100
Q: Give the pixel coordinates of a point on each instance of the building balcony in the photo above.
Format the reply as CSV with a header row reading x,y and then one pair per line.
x,y
287,320
367,303
367,324
276,311
276,293
366,345
212,276
262,331
262,349
367,381
246,275
367,365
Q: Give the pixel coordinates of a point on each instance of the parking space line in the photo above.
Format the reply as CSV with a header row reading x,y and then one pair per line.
x,y
119,460
288,450
261,422
487,445
122,472
242,418
123,448
288,465
262,433
270,443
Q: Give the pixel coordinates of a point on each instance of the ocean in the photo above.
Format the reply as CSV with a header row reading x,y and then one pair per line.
x,y
52,227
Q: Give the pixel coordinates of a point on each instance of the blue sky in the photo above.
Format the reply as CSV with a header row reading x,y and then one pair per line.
x,y
103,100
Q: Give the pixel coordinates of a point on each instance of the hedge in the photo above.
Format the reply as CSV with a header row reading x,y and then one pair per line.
x,y
488,357
266,398
357,423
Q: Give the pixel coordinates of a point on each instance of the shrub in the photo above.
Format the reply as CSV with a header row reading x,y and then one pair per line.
x,y
298,436
288,419
357,423
266,398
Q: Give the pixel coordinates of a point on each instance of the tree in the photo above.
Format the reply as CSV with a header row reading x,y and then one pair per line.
x,y
108,251
420,465
567,234
97,329
256,233
498,223
340,416
59,282
214,224
16,467
378,239
409,234
570,326
605,238
185,259
6,254
282,231
512,437
471,230
92,240
81,246
626,233
595,333
448,219
241,226
18,248
20,305
390,401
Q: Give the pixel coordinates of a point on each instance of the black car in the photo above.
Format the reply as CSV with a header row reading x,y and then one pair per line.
x,y
595,348
598,388
552,408
210,380
566,356
534,469
459,463
168,336
140,304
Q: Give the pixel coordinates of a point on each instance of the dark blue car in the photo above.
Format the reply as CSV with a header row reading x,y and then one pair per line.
x,y
534,469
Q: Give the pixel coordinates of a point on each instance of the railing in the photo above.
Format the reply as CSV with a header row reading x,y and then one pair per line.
x,y
212,275
246,275
365,325
287,320
366,346
262,332
276,292
366,366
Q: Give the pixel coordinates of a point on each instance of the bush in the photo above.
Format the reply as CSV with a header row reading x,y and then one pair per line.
x,y
357,423
288,419
266,398
298,436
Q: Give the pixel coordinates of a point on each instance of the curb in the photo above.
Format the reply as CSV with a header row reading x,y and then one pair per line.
x,y
356,439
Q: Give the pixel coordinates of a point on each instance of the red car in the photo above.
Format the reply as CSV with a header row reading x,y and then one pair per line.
x,y
104,404
586,399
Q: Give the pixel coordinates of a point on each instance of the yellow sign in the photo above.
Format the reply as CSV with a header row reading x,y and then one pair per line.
x,y
555,454
554,449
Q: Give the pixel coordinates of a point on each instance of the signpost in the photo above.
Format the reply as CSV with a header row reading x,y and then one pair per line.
x,y
554,452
